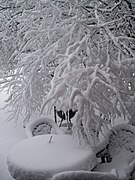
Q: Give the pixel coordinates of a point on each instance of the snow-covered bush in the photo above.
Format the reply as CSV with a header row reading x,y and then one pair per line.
x,y
74,54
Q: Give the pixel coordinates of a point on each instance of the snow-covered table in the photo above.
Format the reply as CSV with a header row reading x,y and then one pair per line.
x,y
38,159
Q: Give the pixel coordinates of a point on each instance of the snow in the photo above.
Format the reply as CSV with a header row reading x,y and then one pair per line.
x,y
120,145
10,134
42,125
119,162
120,137
44,159
78,175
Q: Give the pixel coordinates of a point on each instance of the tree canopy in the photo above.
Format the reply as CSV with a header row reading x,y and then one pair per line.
x,y
77,54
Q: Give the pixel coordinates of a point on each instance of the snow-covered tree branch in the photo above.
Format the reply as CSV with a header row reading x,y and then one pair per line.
x,y
71,54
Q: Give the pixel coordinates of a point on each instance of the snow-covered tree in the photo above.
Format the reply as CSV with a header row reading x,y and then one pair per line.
x,y
74,54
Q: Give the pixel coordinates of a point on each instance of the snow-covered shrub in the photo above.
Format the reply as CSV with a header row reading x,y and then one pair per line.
x,y
87,78
73,54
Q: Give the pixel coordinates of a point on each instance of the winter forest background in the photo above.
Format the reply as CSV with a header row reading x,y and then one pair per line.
x,y
77,54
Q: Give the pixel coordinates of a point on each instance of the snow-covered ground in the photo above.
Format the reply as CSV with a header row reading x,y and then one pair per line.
x,y
10,134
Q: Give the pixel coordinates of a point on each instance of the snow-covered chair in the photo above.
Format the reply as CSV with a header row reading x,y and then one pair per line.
x,y
68,115
120,137
42,125
118,148
130,170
